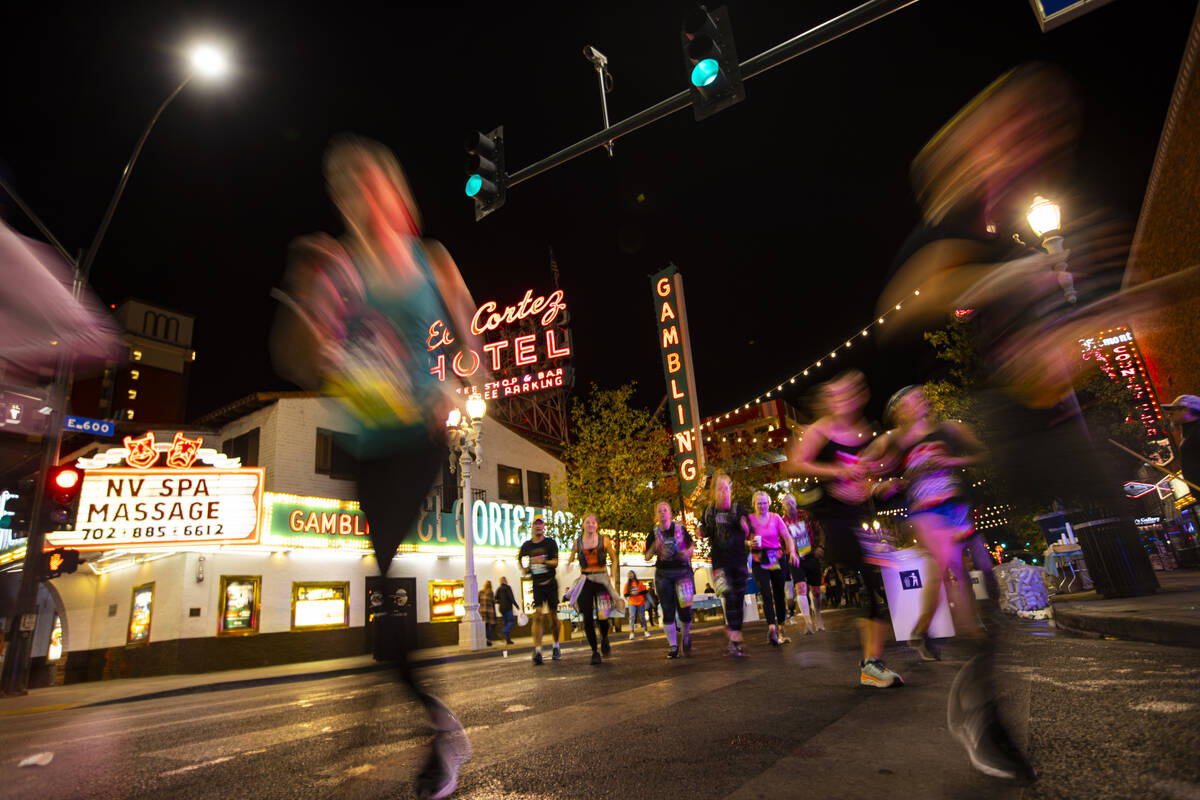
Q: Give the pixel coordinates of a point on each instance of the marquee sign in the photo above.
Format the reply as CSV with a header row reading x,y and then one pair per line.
x,y
1116,352
676,348
135,509
511,362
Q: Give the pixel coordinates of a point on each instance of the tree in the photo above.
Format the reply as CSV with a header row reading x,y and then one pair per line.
x,y
614,465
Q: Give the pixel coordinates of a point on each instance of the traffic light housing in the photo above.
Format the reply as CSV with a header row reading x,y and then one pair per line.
x,y
18,511
59,561
714,79
62,493
485,171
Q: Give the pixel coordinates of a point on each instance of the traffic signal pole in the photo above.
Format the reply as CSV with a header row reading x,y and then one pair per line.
x,y
828,31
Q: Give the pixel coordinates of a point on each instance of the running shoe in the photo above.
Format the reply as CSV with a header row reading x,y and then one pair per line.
x,y
439,777
972,719
872,672
596,659
820,623
921,645
537,658
645,632
673,652
605,649
632,635
556,654
735,649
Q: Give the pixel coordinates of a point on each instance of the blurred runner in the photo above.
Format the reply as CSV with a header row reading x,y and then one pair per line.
x,y
806,574
353,324
831,451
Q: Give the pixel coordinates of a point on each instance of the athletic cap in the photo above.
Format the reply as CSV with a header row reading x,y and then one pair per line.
x,y
1186,401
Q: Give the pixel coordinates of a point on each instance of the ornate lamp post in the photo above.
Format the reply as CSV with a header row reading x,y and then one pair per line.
x,y
464,444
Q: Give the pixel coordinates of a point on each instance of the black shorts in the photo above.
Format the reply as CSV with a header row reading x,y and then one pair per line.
x,y
546,594
809,570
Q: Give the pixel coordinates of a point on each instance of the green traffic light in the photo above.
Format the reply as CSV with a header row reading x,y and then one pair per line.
x,y
705,72
474,184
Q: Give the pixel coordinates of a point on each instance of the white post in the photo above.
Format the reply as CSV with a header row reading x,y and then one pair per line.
x,y
471,635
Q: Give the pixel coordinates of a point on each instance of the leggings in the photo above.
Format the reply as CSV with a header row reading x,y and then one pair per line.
x,y
667,586
770,586
842,524
735,594
586,602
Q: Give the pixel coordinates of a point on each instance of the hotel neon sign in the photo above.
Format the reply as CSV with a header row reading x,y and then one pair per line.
x,y
507,353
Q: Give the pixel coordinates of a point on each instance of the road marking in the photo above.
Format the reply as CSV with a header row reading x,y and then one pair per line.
x,y
191,767
37,760
281,734
516,708
1165,706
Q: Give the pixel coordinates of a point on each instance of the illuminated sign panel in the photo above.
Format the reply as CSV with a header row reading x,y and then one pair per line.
x,y
141,508
675,345
512,362
445,601
1117,354
320,605
140,608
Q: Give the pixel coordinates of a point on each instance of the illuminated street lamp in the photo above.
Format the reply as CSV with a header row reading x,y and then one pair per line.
x,y
1045,217
464,443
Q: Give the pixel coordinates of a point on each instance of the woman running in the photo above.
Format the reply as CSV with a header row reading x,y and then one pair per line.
x,y
593,551
726,525
769,539
832,451
671,545
806,575
933,453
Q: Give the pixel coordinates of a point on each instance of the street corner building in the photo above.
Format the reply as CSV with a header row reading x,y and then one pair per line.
x,y
239,542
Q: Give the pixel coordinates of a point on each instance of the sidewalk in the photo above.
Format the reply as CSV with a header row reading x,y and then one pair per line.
x,y
1170,616
96,693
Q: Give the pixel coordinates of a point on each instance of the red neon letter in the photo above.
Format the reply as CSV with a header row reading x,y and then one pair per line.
x,y
523,347
552,350
458,370
663,287
439,368
675,393
673,362
670,336
494,348
667,312
294,520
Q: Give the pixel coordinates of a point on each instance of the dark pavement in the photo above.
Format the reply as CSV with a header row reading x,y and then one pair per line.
x,y
1100,718
1170,616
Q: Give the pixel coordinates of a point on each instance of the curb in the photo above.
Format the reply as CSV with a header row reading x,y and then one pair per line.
x,y
1133,627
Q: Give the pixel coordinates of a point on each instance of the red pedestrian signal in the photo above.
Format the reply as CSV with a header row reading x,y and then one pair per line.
x,y
59,561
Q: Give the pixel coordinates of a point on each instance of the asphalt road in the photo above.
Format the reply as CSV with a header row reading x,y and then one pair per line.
x,y
1101,719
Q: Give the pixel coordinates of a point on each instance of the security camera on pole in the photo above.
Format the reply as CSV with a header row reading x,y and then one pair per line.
x,y
464,443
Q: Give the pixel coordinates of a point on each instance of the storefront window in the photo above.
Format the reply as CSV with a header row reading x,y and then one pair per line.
x,y
445,601
511,489
139,614
238,613
320,605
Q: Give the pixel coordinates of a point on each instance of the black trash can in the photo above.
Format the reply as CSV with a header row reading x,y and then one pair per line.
x,y
1116,561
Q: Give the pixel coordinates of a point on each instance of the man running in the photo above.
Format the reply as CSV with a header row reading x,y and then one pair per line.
x,y
542,553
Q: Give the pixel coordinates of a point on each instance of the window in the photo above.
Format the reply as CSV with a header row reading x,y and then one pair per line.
x,y
238,613
335,455
539,489
139,614
320,605
511,490
244,447
445,601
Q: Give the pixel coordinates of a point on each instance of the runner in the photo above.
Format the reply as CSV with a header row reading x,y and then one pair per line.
x,y
931,456
726,525
769,538
354,312
593,592
671,545
542,553
635,598
806,576
831,451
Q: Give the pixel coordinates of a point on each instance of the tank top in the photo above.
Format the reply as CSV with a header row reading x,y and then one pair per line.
x,y
930,486
801,531
592,559
841,490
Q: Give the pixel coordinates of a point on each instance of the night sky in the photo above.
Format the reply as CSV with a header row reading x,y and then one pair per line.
x,y
784,213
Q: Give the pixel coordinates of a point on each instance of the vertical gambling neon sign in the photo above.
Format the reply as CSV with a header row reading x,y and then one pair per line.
x,y
675,344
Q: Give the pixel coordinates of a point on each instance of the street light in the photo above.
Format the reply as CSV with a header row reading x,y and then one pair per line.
x,y
1045,218
464,443
209,61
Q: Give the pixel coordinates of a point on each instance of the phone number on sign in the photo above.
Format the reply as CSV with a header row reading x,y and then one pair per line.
x,y
152,532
